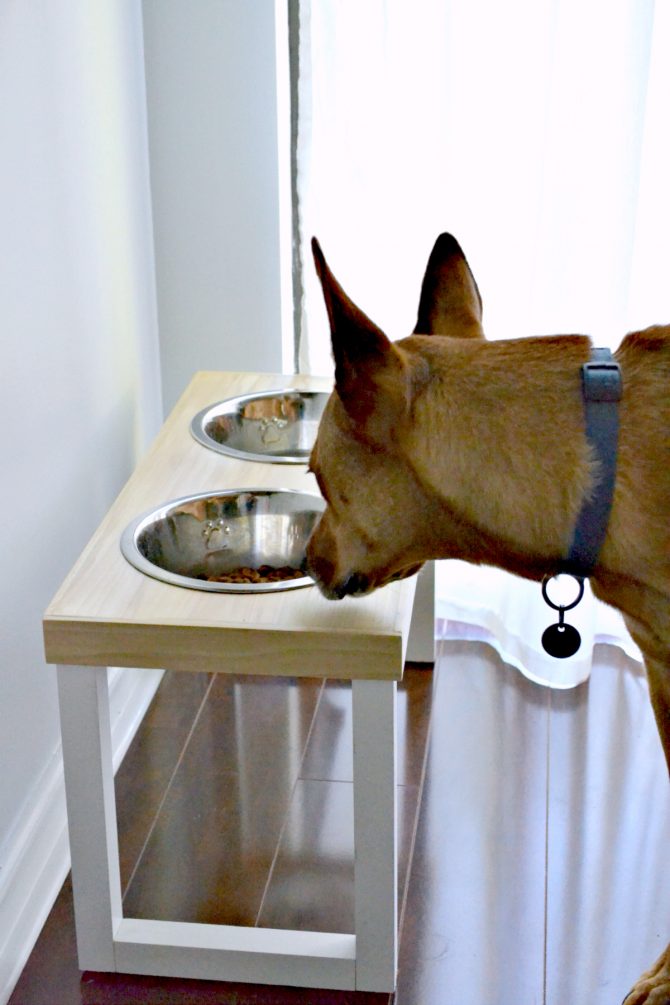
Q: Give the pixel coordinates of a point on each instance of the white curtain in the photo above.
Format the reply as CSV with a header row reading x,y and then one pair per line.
x,y
535,131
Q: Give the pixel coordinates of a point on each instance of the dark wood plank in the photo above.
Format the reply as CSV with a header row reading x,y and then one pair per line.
x,y
312,884
329,754
144,775
222,819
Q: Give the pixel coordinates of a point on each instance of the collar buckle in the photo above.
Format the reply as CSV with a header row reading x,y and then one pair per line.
x,y
601,380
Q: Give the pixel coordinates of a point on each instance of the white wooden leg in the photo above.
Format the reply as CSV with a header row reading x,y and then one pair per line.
x,y
91,810
376,893
421,641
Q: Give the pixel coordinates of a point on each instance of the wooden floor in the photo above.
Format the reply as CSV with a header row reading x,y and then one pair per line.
x,y
532,834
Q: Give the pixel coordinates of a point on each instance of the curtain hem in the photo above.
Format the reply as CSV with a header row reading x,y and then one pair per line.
x,y
448,629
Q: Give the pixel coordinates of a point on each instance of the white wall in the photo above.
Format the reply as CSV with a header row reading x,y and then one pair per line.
x,y
80,368
220,183
79,373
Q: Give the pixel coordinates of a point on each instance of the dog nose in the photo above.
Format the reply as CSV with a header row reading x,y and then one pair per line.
x,y
355,583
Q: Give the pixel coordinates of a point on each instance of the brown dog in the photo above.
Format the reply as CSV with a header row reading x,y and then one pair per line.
x,y
455,447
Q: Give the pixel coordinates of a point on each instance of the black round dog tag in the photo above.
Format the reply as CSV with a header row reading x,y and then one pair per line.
x,y
561,640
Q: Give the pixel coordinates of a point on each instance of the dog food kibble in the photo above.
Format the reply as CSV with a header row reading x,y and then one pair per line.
x,y
263,574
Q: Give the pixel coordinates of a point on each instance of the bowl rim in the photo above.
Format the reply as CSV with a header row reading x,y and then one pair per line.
x,y
228,406
132,554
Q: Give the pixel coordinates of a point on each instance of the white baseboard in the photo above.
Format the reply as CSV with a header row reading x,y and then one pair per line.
x,y
37,860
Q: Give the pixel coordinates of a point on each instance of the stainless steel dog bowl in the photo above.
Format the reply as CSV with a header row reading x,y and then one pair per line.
x,y
275,426
188,540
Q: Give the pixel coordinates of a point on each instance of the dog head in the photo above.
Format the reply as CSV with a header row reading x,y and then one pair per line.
x,y
380,520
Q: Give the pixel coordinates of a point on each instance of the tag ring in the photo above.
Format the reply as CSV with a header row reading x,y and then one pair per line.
x,y
563,607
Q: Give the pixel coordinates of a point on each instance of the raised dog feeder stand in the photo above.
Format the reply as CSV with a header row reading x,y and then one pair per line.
x,y
107,613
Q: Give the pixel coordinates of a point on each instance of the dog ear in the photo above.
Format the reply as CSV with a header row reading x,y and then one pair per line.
x,y
450,303
369,370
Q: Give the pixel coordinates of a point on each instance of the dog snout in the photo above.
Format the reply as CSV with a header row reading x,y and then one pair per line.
x,y
321,570
354,584
326,569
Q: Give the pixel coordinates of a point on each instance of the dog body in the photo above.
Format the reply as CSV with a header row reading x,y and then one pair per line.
x,y
444,445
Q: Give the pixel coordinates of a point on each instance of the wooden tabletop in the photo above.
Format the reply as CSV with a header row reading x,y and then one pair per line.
x,y
107,613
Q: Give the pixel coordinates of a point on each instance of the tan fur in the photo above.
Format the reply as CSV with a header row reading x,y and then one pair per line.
x,y
444,445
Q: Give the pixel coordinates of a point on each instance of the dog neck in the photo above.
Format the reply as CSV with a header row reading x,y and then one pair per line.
x,y
497,432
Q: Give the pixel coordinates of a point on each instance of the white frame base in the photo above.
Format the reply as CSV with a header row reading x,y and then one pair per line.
x,y
106,941
229,953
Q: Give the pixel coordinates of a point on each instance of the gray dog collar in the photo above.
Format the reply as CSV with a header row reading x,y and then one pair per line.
x,y
601,391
